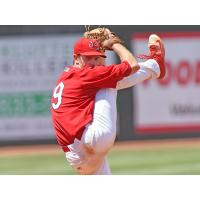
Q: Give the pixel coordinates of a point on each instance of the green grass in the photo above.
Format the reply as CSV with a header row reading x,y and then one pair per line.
x,y
152,162
133,162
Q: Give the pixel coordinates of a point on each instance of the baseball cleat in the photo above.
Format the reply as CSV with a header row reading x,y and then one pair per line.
x,y
156,52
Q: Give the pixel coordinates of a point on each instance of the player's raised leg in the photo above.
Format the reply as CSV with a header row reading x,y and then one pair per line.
x,y
153,68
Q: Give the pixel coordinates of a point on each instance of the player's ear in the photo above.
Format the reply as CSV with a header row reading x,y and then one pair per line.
x,y
75,56
76,60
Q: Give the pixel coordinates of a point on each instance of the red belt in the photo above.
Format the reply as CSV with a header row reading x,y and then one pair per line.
x,y
65,149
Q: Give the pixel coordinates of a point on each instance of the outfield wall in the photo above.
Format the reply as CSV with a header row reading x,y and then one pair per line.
x,y
31,58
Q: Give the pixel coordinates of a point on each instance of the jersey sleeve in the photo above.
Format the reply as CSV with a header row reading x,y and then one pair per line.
x,y
105,76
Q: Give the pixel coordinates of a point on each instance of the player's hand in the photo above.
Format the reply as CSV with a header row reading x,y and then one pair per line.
x,y
113,39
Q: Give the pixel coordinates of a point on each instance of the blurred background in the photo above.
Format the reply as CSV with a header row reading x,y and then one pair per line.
x,y
158,127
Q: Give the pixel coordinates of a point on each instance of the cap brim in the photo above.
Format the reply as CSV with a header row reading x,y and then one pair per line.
x,y
93,54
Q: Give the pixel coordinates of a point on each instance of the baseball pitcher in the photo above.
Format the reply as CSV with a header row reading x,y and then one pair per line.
x,y
83,104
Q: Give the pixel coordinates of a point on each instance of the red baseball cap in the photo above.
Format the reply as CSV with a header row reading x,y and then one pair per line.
x,y
88,47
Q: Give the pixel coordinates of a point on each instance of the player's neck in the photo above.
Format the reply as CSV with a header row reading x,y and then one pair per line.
x,y
77,66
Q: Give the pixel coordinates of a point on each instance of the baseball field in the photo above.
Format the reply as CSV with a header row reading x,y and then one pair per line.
x,y
180,156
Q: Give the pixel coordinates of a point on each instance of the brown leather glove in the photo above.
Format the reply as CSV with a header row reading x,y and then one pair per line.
x,y
104,36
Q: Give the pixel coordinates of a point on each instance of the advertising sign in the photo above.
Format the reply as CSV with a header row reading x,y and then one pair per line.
x,y
172,104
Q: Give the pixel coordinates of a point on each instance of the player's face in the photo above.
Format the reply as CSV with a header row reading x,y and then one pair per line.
x,y
93,60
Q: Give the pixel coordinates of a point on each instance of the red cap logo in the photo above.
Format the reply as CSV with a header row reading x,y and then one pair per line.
x,y
88,47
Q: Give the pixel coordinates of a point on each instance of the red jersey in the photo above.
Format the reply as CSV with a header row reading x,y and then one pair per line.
x,y
73,99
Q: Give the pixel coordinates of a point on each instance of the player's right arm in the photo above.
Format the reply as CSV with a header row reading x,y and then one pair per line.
x,y
125,55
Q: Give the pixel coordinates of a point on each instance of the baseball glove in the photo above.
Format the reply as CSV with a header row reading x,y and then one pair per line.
x,y
104,36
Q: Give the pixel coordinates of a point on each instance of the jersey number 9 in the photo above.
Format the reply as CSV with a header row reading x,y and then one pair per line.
x,y
58,95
